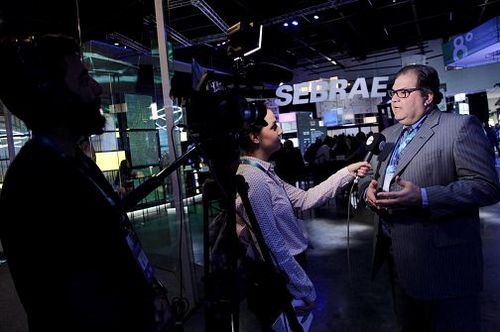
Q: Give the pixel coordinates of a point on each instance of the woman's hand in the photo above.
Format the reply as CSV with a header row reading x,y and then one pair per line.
x,y
360,168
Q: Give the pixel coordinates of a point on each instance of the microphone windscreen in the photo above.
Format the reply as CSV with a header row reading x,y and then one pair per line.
x,y
375,143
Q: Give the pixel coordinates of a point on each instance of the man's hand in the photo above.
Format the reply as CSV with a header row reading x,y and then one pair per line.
x,y
410,195
371,194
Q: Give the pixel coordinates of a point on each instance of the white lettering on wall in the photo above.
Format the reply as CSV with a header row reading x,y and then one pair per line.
x,y
377,86
359,88
283,91
300,90
319,91
335,89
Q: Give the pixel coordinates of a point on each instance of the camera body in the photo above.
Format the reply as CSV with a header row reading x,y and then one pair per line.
x,y
218,107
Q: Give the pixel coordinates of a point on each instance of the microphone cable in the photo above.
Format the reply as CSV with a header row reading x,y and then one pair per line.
x,y
180,304
374,144
349,265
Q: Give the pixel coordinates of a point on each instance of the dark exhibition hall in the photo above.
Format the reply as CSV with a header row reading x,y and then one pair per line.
x,y
237,165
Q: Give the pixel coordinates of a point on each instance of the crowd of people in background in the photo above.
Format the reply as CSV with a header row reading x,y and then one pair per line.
x,y
320,159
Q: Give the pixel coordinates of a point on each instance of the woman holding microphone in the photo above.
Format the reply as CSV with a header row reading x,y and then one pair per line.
x,y
274,202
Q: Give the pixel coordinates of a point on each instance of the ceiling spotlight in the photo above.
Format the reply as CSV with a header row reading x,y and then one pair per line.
x,y
285,24
316,17
295,23
117,44
333,62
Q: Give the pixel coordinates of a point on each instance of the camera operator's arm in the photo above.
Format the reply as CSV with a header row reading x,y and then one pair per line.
x,y
318,195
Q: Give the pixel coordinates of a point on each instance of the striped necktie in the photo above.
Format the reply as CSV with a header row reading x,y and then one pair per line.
x,y
407,135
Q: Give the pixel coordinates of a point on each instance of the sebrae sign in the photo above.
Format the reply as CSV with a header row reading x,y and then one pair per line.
x,y
322,90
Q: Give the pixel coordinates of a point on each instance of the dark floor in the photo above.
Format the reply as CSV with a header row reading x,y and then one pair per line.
x,y
346,301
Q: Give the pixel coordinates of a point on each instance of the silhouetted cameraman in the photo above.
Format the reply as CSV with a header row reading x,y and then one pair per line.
x,y
75,261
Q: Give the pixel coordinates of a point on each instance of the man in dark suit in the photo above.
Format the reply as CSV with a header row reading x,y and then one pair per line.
x,y
75,261
435,172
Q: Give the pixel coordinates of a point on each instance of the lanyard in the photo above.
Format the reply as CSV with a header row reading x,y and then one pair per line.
x,y
50,144
130,236
253,163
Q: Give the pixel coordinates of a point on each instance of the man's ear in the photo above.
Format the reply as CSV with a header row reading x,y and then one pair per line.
x,y
428,98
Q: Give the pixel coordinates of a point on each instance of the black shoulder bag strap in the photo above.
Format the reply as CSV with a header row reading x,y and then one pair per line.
x,y
288,309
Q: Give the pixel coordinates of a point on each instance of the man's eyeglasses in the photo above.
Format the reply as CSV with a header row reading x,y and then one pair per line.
x,y
401,93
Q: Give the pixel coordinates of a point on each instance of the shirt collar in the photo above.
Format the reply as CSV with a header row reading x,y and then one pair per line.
x,y
417,124
266,165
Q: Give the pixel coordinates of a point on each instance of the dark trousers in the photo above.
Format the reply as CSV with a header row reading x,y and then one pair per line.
x,y
437,315
262,300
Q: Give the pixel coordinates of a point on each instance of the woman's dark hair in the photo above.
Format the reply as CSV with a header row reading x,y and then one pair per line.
x,y
32,69
253,122
427,79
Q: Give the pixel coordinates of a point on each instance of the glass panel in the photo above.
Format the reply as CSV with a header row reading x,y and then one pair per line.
x,y
20,135
128,69
144,148
139,111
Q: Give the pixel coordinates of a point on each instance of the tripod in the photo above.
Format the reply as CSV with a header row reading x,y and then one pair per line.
x,y
223,312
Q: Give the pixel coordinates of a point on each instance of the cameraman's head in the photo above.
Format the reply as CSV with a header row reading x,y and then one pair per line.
x,y
260,136
44,83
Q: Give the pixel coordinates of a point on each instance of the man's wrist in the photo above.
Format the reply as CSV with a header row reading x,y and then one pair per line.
x,y
365,196
423,198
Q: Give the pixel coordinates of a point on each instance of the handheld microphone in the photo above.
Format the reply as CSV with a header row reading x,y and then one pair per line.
x,y
374,145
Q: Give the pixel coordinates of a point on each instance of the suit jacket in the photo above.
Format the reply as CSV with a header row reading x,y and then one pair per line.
x,y
66,249
437,250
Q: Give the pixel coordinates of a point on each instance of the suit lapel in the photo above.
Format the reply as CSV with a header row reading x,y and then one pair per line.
x,y
423,135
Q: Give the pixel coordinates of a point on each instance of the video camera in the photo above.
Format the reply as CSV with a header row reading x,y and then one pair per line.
x,y
218,106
